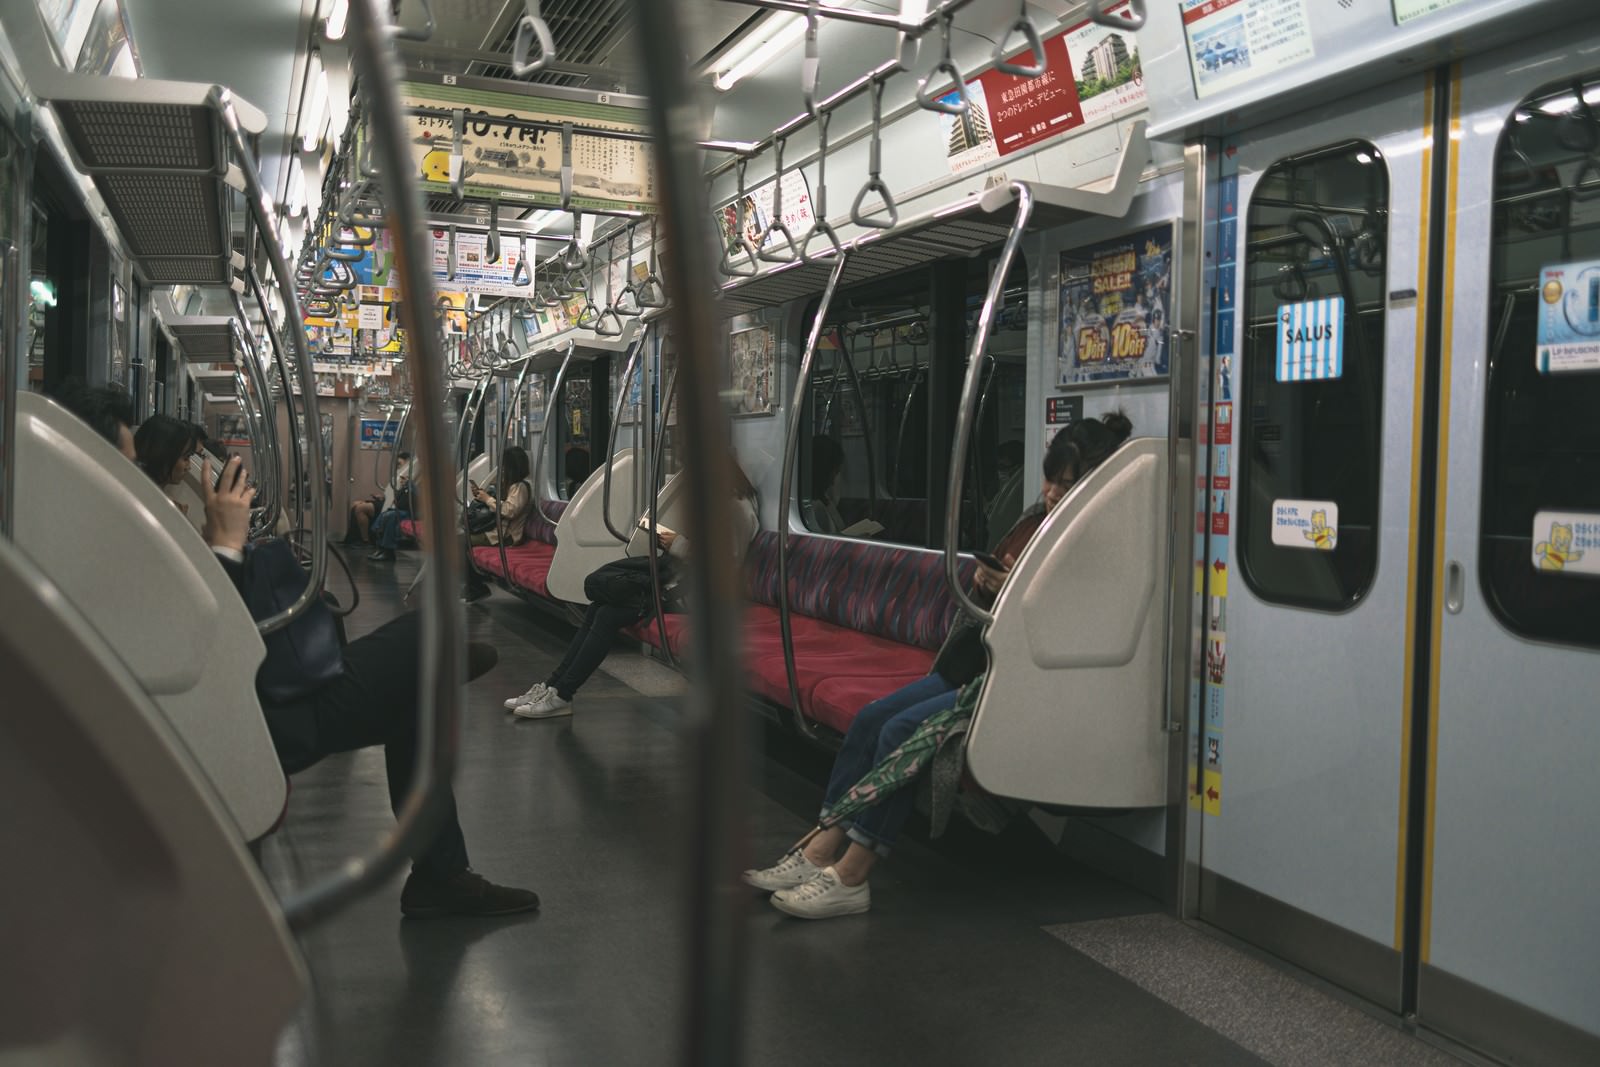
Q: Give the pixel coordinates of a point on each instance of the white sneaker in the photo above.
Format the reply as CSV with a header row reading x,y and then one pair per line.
x,y
791,871
535,694
823,898
548,706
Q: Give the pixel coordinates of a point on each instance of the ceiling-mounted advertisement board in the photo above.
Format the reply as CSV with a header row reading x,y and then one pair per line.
x,y
498,157
1232,42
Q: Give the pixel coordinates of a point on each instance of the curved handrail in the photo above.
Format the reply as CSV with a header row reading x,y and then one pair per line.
x,y
969,404
268,474
547,435
1100,13
611,440
260,206
653,542
791,451
440,647
253,427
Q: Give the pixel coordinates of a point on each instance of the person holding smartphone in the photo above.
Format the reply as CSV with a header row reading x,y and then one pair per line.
x,y
825,874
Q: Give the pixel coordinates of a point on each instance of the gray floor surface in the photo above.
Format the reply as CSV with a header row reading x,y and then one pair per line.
x,y
953,965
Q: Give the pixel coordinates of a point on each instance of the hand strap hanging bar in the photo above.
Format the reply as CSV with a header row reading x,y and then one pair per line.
x,y
1030,36
652,294
1100,13
458,161
629,291
532,26
778,226
819,202
574,258
969,403
811,65
741,240
590,313
566,170
608,323
945,66
424,34
875,183
450,257
492,252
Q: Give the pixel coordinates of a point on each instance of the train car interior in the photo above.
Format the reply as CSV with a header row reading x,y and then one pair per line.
x,y
577,532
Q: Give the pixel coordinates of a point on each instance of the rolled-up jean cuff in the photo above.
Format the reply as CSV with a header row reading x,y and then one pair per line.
x,y
866,840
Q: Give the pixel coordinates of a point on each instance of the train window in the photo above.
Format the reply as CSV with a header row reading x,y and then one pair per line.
x,y
1311,408
875,447
1539,524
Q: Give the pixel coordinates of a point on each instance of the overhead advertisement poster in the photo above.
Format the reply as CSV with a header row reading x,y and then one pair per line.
x,y
1406,10
1114,297
473,272
1106,68
498,157
1232,42
755,212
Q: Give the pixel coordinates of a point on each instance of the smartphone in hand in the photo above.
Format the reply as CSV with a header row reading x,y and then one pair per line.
x,y
990,561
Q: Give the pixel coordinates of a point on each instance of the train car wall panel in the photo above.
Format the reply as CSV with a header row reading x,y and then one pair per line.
x,y
1223,64
1508,901
1314,728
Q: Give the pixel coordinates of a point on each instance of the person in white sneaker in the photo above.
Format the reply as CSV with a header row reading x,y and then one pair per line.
x,y
825,874
552,697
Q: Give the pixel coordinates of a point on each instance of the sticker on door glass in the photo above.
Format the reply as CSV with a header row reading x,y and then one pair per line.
x,y
1569,317
1312,524
1311,340
1566,542
1235,41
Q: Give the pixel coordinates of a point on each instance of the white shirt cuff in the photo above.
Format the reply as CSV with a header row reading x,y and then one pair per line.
x,y
233,555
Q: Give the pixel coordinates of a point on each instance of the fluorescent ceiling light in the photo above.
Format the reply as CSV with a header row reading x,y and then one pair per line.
x,y
767,40
314,105
543,219
333,25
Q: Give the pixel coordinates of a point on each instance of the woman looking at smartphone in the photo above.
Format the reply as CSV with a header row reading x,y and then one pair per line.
x,y
813,880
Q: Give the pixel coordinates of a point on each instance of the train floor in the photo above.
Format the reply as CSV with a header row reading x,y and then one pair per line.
x,y
977,949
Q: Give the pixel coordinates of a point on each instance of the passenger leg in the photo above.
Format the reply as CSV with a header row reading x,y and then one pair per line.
x,y
474,587
375,703
584,655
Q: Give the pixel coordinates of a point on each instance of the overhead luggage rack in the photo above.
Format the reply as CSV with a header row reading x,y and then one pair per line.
x,y
961,229
206,338
156,150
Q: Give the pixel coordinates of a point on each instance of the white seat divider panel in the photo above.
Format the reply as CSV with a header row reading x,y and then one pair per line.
x,y
126,557
1072,710
583,543
138,930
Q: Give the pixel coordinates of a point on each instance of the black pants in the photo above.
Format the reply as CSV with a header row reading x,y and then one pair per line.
x,y
590,645
375,703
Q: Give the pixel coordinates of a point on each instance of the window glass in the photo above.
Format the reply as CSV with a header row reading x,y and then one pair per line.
x,y
1309,418
868,454
1539,524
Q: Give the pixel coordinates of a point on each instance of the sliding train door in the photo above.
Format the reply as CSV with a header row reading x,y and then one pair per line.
x,y
1307,534
1509,935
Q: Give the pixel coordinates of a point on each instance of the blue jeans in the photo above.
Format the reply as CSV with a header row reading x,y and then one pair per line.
x,y
879,729
386,528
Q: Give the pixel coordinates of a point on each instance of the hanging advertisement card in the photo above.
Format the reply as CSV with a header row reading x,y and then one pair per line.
x,y
1232,42
1006,114
756,212
1569,317
496,156
473,271
1114,297
1106,68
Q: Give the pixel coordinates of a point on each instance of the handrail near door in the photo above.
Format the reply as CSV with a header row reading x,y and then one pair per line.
x,y
653,543
441,650
634,355
969,402
546,434
260,206
791,451
267,473
377,453
508,425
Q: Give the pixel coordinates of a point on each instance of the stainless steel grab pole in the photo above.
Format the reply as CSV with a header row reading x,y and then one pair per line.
x,y
265,422
441,646
969,403
383,444
508,424
652,517
791,454
611,440
716,720
260,207
547,434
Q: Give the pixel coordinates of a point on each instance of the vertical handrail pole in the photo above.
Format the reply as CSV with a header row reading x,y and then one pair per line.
x,y
10,345
288,399
653,543
260,206
267,421
544,440
518,399
969,404
440,647
716,720
791,455
611,438
383,441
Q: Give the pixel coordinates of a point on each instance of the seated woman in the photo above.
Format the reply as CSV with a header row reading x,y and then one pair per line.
x,y
396,509
821,513
362,512
164,445
812,880
553,696
511,499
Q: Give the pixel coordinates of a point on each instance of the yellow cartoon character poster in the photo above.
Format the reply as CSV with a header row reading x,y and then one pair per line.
x,y
1557,552
1321,535
1566,543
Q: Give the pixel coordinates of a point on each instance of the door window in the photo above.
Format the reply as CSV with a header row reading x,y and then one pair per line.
x,y
1539,524
1310,414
